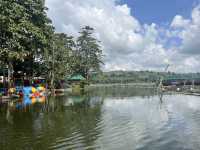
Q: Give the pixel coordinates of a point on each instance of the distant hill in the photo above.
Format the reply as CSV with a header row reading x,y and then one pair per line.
x,y
138,76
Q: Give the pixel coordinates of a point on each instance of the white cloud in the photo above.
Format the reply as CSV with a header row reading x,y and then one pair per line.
x,y
189,32
127,44
180,22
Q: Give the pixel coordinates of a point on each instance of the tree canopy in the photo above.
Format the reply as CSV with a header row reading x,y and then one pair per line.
x,y
89,52
29,43
25,29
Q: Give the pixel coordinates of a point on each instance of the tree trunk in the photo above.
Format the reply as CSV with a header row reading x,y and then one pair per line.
x,y
87,74
52,83
10,75
4,79
53,71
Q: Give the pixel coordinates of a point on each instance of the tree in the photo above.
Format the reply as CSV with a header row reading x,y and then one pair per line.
x,y
60,58
25,31
89,52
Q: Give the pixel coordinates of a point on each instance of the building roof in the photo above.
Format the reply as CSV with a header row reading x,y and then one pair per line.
x,y
76,78
181,78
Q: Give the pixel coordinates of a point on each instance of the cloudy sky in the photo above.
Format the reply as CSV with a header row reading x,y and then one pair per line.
x,y
136,34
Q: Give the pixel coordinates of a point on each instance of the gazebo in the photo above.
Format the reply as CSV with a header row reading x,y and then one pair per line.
x,y
77,82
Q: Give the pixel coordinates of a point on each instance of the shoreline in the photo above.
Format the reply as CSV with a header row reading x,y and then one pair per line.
x,y
123,84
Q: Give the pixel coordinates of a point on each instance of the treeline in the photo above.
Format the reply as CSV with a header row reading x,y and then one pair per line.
x,y
139,76
29,43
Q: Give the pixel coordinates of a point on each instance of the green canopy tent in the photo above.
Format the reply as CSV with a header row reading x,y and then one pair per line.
x,y
76,78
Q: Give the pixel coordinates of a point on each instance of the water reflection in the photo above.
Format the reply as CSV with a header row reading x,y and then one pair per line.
x,y
27,101
72,100
103,119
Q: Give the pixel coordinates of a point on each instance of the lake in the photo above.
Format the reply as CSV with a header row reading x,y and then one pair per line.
x,y
108,118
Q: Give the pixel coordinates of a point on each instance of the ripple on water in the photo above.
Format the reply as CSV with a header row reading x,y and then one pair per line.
x,y
131,123
74,141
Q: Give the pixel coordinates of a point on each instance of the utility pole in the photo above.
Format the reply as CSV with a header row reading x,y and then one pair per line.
x,y
160,86
161,79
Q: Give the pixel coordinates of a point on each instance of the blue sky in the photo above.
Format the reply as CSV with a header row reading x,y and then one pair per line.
x,y
159,11
136,34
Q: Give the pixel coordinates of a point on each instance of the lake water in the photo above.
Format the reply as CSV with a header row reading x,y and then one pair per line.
x,y
109,118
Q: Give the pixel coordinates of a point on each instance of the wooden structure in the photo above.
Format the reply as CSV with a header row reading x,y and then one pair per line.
x,y
77,82
180,81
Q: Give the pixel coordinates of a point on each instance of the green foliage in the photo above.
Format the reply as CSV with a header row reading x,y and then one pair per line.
x,y
24,29
63,47
138,76
89,52
28,43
